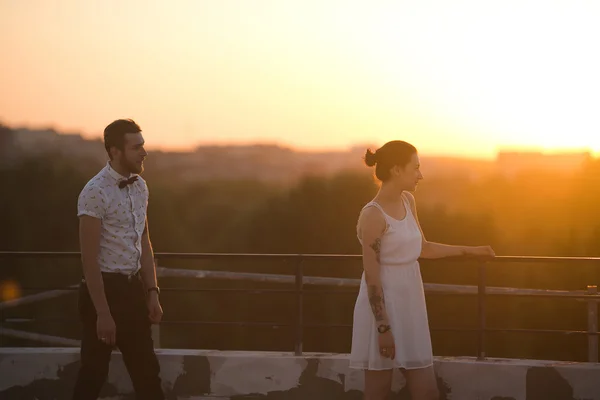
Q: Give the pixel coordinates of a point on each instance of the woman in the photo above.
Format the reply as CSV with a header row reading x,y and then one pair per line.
x,y
391,328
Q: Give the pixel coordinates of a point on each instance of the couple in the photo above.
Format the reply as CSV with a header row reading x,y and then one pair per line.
x,y
118,298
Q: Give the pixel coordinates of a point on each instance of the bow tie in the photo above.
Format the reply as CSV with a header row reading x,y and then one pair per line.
x,y
126,182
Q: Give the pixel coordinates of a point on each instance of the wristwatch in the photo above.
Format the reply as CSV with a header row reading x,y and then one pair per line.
x,y
154,288
383,328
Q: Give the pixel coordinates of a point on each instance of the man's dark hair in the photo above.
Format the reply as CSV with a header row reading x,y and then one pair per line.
x,y
114,133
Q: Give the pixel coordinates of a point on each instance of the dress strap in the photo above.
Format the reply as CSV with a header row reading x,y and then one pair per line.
x,y
373,204
378,206
408,205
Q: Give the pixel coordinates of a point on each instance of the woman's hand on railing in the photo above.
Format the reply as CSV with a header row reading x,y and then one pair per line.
x,y
480,252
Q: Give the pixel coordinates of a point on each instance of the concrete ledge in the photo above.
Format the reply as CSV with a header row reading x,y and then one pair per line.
x,y
49,373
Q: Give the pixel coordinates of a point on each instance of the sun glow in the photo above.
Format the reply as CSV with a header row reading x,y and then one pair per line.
x,y
461,77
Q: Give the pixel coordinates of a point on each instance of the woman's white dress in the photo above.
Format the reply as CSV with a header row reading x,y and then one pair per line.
x,y
404,300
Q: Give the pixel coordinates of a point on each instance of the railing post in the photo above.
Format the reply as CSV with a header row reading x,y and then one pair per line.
x,y
592,312
481,311
299,308
156,335
156,327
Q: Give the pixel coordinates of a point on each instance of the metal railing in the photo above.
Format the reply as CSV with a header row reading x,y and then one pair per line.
x,y
482,291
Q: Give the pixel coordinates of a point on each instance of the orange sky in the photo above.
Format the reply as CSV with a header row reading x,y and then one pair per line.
x,y
452,77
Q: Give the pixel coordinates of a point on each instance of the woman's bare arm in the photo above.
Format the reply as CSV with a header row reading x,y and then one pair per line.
x,y
371,227
439,250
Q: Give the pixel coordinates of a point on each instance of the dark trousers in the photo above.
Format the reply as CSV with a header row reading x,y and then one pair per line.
x,y
127,303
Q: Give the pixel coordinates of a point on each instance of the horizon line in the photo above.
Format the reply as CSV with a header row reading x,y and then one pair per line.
x,y
507,149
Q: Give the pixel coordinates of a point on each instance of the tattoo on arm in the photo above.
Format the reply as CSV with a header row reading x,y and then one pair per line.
x,y
376,300
375,292
376,246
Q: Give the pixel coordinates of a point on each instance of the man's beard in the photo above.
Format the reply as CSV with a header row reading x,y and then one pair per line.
x,y
131,167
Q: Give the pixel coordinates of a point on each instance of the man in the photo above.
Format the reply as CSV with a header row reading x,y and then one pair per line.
x,y
118,297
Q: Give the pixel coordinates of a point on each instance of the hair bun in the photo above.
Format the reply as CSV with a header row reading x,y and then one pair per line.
x,y
370,158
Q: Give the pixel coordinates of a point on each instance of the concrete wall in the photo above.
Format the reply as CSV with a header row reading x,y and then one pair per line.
x,y
48,373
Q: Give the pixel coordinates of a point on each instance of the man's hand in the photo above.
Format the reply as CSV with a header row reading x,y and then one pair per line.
x,y
106,329
155,311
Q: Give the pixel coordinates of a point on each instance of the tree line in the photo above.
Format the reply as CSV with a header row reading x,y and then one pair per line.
x,y
531,213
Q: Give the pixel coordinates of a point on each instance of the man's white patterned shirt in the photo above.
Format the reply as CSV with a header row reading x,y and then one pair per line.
x,y
123,216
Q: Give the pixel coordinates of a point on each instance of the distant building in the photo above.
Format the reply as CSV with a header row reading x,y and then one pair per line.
x,y
511,162
273,163
49,141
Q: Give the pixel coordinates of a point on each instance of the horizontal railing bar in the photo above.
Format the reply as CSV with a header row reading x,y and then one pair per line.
x,y
316,325
562,294
522,330
294,256
164,322
184,256
256,256
176,289
430,288
546,259
38,337
353,282
40,254
37,297
449,291
501,330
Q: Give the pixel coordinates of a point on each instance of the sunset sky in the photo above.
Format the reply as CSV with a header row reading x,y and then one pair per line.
x,y
452,77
